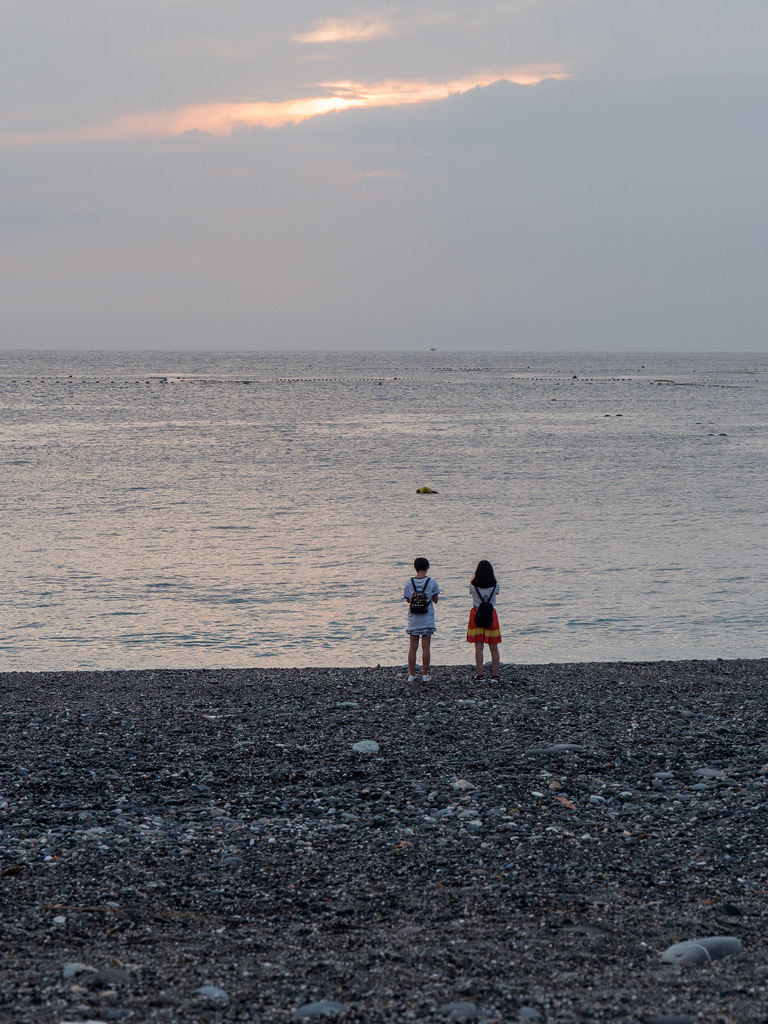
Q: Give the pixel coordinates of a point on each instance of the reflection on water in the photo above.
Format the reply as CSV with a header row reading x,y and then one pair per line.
x,y
207,510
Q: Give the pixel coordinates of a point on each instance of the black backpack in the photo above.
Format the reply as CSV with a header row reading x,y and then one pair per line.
x,y
483,614
419,600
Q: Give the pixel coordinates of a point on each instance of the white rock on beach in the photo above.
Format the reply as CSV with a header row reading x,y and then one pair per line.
x,y
366,747
701,951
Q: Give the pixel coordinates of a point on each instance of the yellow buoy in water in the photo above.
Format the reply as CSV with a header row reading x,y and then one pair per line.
x,y
426,490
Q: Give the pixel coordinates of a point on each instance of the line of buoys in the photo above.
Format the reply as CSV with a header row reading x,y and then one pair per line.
x,y
330,380
459,369
211,381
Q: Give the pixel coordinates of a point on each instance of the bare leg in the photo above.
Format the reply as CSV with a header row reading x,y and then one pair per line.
x,y
412,655
494,658
479,658
426,642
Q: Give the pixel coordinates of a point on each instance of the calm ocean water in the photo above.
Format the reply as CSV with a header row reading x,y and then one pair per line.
x,y
209,510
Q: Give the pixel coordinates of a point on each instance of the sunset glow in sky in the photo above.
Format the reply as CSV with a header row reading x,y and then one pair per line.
x,y
524,174
346,31
221,119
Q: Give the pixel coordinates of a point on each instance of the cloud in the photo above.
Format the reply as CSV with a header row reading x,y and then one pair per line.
x,y
375,175
222,119
338,30
574,215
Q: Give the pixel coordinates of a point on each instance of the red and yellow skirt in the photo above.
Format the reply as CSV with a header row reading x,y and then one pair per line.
x,y
476,635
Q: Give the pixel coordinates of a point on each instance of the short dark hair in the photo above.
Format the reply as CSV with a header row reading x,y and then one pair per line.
x,y
420,564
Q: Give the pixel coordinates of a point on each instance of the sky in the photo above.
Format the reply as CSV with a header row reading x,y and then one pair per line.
x,y
468,175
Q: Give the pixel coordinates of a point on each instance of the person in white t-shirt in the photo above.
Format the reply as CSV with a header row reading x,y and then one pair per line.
x,y
484,588
420,625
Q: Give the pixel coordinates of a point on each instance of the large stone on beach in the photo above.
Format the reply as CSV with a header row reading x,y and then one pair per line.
x,y
462,784
73,969
702,951
366,747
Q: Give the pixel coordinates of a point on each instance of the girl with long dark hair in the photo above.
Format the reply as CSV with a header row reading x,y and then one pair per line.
x,y
484,589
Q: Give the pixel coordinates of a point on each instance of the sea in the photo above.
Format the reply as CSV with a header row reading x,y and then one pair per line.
x,y
250,509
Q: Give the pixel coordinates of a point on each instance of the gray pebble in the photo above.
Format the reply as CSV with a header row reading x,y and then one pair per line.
x,y
211,992
460,1011
529,1013
71,970
323,1008
366,747
110,977
670,1019
701,951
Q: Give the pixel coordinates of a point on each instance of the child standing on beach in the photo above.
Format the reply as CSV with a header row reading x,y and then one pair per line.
x,y
484,590
421,594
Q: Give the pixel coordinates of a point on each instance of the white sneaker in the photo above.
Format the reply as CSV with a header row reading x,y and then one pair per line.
x,y
411,679
426,679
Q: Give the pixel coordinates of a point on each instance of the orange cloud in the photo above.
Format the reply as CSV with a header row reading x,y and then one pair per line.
x,y
222,119
337,30
395,93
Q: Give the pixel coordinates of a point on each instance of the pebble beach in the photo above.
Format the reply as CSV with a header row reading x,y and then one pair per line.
x,y
340,844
